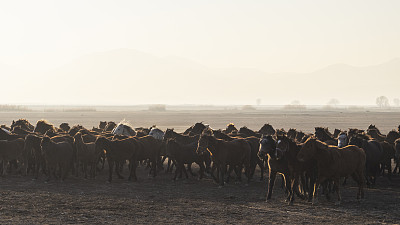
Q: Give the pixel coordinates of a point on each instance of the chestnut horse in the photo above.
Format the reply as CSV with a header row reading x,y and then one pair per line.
x,y
334,163
235,153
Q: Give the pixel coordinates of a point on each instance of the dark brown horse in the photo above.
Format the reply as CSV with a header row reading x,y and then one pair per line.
x,y
287,151
323,135
57,155
13,151
42,126
230,128
118,151
195,129
334,163
235,154
255,145
24,124
267,129
65,127
183,154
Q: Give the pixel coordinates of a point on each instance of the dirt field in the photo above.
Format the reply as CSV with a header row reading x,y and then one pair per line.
x,y
161,200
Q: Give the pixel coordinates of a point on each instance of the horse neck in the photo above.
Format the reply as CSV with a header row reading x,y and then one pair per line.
x,y
213,143
323,156
325,137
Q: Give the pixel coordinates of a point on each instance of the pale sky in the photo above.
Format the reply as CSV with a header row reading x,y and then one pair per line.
x,y
271,36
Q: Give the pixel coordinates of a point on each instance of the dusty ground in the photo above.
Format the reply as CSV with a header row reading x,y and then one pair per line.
x,y
161,200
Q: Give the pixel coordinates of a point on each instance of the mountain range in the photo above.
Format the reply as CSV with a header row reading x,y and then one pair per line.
x,y
129,77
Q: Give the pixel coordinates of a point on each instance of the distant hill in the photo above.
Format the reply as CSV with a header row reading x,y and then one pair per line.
x,y
127,76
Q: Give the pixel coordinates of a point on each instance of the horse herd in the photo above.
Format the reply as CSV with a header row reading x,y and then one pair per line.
x,y
305,161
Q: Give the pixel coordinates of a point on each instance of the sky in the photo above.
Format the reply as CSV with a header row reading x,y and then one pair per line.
x,y
299,36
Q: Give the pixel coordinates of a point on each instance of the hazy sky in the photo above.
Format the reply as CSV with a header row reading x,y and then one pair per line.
x,y
272,36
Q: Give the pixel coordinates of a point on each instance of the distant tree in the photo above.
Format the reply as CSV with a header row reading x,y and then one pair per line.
x,y
382,101
396,102
295,102
333,102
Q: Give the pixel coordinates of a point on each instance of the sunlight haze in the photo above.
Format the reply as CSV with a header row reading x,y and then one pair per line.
x,y
199,52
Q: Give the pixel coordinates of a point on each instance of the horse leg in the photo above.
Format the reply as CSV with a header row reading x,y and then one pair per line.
x,y
177,169
261,165
189,168
169,168
238,172
201,165
118,169
336,181
222,171
228,174
271,182
111,168
85,169
316,187
184,170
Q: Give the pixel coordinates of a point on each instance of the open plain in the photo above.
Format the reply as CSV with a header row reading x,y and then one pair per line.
x,y
193,201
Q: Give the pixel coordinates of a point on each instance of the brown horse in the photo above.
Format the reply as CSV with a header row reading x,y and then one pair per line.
x,y
374,133
42,126
324,135
255,145
24,123
118,151
236,154
13,150
65,127
267,129
86,155
334,163
57,154
292,133
230,128
287,151
197,128
183,154
392,136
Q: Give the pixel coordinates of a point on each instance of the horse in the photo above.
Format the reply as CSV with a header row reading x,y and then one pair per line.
x,y
156,133
230,128
123,128
119,151
197,128
86,155
7,135
374,156
255,145
42,126
246,132
374,133
13,150
65,127
343,140
323,135
292,133
287,150
57,154
333,163
24,123
267,129
397,155
183,154
235,153
392,136
276,166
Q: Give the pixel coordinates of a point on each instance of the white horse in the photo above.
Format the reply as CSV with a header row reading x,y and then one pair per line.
x,y
156,133
124,128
